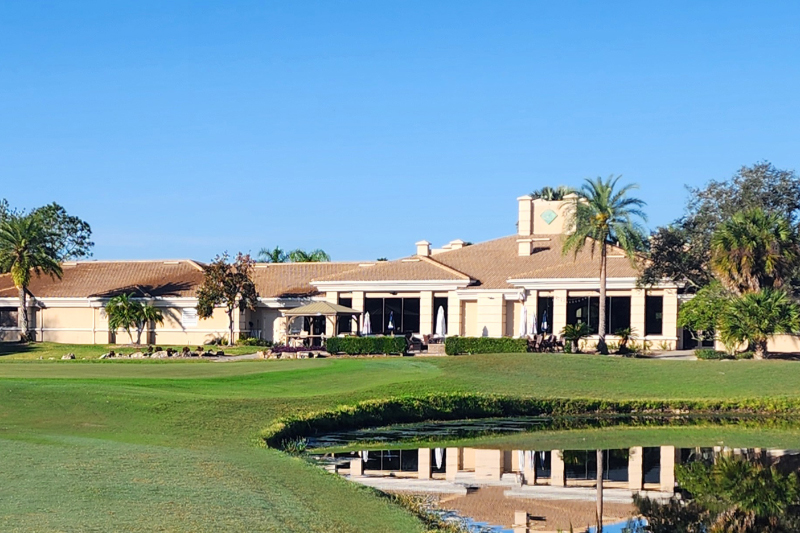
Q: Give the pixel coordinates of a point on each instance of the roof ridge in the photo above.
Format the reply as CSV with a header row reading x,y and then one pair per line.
x,y
444,267
294,263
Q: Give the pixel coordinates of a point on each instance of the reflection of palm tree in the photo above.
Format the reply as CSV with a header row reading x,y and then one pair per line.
x,y
599,491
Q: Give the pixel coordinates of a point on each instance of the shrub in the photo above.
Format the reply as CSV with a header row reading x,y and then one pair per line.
x,y
253,341
710,354
472,345
367,345
744,355
573,333
281,348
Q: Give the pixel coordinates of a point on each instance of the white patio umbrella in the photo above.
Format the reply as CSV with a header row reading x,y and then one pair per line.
x,y
523,322
366,326
364,455
521,458
439,455
544,321
390,327
441,324
532,330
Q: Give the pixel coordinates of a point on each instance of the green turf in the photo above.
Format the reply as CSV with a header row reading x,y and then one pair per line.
x,y
48,350
169,446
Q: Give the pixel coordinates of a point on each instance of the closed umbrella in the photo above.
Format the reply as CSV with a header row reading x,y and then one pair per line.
x,y
364,455
441,324
366,326
544,321
390,327
439,455
523,321
532,324
521,458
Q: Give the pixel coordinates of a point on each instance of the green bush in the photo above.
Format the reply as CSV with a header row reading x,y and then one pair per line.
x,y
710,354
366,345
471,345
459,406
253,341
744,355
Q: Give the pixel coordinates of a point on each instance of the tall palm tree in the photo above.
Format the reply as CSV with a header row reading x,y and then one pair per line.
x,y
275,255
314,256
754,249
123,312
25,249
605,215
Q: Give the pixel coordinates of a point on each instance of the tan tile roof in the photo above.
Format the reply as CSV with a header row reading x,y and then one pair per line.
x,y
408,269
492,263
87,279
285,280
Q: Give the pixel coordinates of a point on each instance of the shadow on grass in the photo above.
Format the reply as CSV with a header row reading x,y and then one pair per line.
x,y
13,348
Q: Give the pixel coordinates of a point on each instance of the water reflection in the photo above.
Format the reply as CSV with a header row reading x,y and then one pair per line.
x,y
546,490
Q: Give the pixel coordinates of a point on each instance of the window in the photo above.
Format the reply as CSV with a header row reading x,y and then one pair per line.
x,y
8,317
403,313
344,324
654,315
544,314
586,310
189,317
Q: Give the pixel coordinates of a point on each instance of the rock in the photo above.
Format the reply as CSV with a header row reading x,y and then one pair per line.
x,y
105,356
261,354
68,356
220,353
137,355
159,355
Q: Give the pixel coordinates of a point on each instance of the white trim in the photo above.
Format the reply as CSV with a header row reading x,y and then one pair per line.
x,y
391,285
545,284
471,294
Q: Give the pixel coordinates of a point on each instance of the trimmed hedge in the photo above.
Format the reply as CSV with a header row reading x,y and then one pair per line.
x,y
709,354
367,345
458,406
470,345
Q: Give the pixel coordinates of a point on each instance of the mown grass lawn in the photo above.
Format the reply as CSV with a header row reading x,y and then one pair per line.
x,y
48,350
169,446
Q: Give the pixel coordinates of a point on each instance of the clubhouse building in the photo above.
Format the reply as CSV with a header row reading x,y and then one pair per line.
x,y
483,289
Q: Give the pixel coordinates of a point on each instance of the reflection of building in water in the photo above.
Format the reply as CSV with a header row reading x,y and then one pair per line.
x,y
637,469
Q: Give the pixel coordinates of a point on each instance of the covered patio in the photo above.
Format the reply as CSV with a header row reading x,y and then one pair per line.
x,y
316,309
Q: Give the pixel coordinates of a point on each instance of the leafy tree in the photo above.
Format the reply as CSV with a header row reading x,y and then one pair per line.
x,y
550,193
26,248
228,284
702,314
682,250
124,312
755,317
68,235
314,256
275,255
605,215
754,249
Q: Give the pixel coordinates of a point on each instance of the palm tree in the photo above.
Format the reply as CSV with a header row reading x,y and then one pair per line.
x,y
550,193
123,313
601,216
756,316
25,248
314,256
148,314
275,255
754,249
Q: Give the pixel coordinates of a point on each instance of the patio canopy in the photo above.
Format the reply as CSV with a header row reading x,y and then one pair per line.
x,y
320,309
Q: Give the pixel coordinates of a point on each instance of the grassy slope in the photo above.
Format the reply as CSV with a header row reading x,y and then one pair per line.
x,y
168,446
47,350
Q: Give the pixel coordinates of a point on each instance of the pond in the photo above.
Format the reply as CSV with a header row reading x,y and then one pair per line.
x,y
531,474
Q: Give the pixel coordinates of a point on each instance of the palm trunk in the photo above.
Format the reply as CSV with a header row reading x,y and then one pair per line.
x,y
760,351
601,343
139,328
599,509
22,314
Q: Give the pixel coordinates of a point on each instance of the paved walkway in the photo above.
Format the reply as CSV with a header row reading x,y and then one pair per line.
x,y
676,355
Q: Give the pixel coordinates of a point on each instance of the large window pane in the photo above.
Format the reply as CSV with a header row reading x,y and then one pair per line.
x,y
654,315
618,313
374,306
392,311
344,324
584,310
544,312
410,315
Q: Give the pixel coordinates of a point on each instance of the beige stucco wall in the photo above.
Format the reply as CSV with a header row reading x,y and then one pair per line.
x,y
469,324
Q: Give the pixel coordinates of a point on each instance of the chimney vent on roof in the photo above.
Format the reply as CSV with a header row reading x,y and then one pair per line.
x,y
423,248
525,219
456,244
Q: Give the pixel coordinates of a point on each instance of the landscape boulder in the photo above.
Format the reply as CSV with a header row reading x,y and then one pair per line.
x,y
159,355
68,356
138,355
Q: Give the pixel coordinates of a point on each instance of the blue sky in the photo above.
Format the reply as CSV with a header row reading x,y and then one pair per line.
x,y
181,129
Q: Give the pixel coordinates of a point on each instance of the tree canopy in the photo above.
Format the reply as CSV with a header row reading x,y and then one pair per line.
x,y
298,255
229,284
68,236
